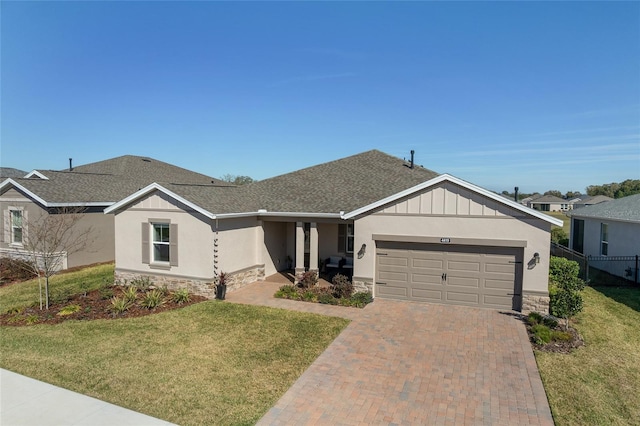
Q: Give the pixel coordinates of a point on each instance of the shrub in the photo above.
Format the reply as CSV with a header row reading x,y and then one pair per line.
x,y
181,296
341,287
309,296
327,299
534,318
361,299
69,309
141,283
130,294
308,279
558,236
32,319
550,322
152,299
564,336
541,334
15,270
106,293
565,296
286,292
119,305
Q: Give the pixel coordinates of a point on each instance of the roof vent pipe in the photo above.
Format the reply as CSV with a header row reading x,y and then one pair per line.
x,y
412,152
70,164
515,194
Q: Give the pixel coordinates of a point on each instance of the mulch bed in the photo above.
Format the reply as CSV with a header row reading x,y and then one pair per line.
x,y
93,306
563,347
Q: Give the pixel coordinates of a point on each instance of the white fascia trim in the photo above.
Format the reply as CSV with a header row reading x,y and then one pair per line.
x,y
11,182
91,204
156,187
471,187
300,214
36,173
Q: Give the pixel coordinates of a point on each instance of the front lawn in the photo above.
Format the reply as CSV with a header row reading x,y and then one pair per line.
x,y
209,363
600,382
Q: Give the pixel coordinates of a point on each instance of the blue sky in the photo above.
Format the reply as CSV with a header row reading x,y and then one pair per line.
x,y
541,95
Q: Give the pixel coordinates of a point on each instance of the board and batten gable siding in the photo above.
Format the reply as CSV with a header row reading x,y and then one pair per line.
x,y
450,200
449,211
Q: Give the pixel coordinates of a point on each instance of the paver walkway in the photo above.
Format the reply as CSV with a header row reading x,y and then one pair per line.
x,y
412,363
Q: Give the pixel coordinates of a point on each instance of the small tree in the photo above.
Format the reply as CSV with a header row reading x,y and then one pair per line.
x,y
50,239
565,288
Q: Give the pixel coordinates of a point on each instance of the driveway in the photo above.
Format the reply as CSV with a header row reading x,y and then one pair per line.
x,y
413,363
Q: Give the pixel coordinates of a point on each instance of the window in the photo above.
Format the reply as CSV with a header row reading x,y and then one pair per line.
x,y
161,239
160,243
604,239
16,226
349,238
345,238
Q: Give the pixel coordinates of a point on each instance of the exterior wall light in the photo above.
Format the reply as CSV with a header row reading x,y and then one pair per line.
x,y
362,251
536,257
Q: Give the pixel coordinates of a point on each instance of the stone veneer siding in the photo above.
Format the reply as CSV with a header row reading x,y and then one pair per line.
x,y
206,288
360,285
533,302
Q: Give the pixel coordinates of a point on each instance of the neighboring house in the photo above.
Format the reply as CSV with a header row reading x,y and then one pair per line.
x,y
607,231
590,201
8,172
549,203
92,188
409,233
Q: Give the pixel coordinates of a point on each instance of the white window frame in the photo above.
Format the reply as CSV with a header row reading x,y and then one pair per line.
x,y
604,239
155,243
12,228
349,237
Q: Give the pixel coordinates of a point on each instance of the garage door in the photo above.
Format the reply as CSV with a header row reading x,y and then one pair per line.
x,y
462,275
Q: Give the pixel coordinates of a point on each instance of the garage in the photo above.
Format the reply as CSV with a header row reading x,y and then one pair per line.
x,y
481,276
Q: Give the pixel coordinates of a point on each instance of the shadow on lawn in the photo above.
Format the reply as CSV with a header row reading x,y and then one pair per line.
x,y
628,295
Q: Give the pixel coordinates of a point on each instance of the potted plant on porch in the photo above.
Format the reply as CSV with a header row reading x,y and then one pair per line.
x,y
221,286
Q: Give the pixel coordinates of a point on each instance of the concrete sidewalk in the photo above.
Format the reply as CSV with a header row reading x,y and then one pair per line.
x,y
25,401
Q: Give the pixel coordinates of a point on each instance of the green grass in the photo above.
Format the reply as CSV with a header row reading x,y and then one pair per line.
x,y
598,383
566,221
26,293
209,363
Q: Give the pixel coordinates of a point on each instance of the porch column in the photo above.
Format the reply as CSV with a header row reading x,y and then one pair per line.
x,y
299,248
313,247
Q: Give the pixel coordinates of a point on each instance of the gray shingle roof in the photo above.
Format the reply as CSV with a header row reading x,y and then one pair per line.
x,y
9,172
110,180
626,209
549,199
342,185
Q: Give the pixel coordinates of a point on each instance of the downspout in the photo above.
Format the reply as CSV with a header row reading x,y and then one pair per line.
x,y
215,252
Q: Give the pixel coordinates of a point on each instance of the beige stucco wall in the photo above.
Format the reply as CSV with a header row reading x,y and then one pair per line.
x,y
275,247
195,238
102,241
449,211
238,245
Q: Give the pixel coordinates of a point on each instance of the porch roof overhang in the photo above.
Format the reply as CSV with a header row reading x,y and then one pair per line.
x,y
260,212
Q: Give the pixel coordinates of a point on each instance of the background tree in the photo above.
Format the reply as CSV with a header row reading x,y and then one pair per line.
x,y
51,238
572,194
237,180
616,190
554,192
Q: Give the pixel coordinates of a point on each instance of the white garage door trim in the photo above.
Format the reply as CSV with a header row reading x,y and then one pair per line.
x,y
482,276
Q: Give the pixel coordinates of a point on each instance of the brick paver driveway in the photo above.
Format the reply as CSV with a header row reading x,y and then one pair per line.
x,y
411,363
